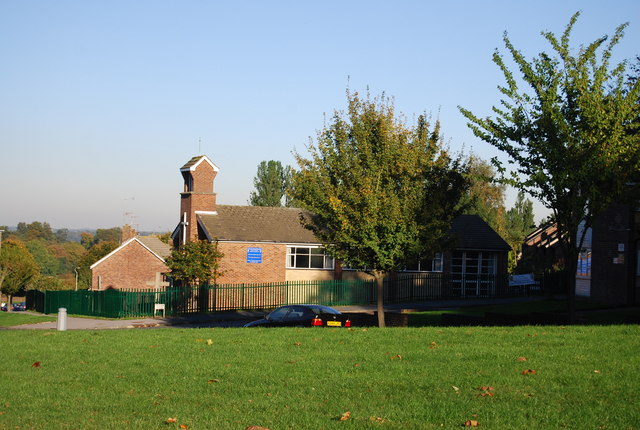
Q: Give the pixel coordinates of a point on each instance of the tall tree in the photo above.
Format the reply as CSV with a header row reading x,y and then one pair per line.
x,y
271,183
485,196
572,136
46,260
519,222
95,253
113,234
195,263
368,183
35,230
17,268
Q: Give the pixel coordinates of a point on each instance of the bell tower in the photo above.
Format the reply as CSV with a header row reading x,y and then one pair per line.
x,y
197,196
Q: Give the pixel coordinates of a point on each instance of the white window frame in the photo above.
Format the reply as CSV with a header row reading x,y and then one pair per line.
x,y
583,268
294,262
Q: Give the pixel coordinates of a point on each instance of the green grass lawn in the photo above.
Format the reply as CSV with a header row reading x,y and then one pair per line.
x,y
8,319
586,377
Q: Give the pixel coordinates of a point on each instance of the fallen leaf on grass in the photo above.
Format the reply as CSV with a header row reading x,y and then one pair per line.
x,y
521,359
36,364
456,389
378,420
398,356
529,372
211,381
433,345
297,344
597,371
486,391
256,428
184,426
170,421
345,416
471,423
209,342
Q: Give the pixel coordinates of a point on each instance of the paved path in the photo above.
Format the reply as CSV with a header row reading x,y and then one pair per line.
x,y
238,318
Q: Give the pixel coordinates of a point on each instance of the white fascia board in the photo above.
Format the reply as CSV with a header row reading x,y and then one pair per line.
x,y
203,158
206,212
149,249
271,241
206,232
121,247
112,252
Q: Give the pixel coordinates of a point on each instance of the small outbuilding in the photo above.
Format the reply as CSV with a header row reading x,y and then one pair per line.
x,y
133,265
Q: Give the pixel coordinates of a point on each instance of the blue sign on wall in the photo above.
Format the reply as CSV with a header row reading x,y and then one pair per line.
x,y
254,255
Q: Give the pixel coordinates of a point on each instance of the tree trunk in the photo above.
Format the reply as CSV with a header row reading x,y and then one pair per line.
x,y
379,277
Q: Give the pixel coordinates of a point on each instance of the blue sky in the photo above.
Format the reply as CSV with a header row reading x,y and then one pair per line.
x,y
102,102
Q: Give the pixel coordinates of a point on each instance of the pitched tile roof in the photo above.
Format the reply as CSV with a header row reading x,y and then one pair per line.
x,y
193,163
156,246
152,243
282,225
256,224
472,232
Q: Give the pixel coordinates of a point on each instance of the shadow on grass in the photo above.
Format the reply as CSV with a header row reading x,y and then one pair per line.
x,y
545,312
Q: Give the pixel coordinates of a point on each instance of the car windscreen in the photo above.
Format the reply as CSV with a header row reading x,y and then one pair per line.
x,y
324,310
278,314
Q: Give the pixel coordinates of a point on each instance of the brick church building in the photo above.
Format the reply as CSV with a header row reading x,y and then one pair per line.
x,y
269,244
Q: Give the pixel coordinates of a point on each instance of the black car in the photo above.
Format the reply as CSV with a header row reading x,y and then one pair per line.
x,y
22,306
302,316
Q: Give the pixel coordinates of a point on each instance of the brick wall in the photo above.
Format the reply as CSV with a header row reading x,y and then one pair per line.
x,y
237,270
130,267
613,262
199,198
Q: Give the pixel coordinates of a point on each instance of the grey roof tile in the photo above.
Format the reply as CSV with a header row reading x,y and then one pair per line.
x,y
472,232
156,246
256,224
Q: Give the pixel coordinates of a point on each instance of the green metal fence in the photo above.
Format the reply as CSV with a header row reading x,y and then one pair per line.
x,y
210,298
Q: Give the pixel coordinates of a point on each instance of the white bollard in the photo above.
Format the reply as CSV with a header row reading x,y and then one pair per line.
x,y
62,319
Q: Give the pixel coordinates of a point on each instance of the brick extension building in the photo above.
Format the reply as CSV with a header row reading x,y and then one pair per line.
x,y
133,265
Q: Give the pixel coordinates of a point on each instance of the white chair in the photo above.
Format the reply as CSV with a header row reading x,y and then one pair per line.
x,y
158,307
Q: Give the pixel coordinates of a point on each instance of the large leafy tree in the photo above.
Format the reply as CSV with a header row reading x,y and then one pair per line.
x,y
485,195
377,189
35,230
271,183
45,258
195,263
95,253
17,268
519,222
571,132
